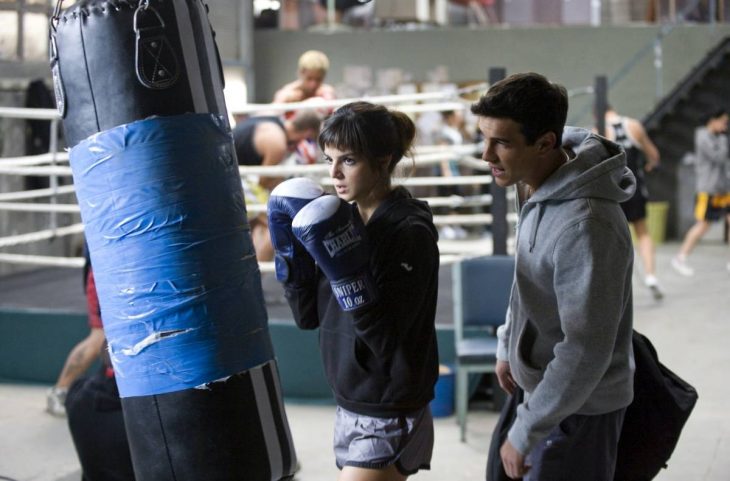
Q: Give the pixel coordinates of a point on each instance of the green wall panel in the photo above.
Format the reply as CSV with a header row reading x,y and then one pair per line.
x,y
34,346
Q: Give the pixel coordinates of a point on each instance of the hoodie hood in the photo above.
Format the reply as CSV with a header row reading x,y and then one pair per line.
x,y
598,171
400,206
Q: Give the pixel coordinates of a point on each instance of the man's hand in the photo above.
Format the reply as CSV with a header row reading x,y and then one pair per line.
x,y
291,92
651,165
296,94
504,376
513,461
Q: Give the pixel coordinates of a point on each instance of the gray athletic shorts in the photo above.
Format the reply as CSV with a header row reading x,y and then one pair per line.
x,y
375,443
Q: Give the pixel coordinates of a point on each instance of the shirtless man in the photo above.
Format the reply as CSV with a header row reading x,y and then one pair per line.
x,y
311,71
308,87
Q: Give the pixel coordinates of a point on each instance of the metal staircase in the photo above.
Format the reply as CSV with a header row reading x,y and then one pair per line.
x,y
671,126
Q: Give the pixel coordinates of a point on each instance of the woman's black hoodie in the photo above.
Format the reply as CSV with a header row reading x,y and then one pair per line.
x,y
382,360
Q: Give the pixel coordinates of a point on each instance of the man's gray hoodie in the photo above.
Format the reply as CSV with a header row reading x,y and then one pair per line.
x,y
568,334
712,165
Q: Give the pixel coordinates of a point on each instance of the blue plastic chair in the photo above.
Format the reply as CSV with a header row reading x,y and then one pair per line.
x,y
481,291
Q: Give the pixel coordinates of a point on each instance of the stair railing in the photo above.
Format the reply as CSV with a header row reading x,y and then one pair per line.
x,y
654,46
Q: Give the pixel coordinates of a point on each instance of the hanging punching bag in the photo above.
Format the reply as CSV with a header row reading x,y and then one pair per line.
x,y
139,87
118,61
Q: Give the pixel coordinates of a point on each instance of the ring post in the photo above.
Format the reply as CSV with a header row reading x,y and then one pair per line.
x,y
499,196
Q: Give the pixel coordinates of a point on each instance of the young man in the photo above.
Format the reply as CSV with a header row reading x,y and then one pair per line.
x,y
630,134
268,140
712,166
311,71
567,338
308,87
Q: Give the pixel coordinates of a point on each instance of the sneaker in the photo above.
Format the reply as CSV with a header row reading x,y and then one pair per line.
x,y
653,284
681,266
56,402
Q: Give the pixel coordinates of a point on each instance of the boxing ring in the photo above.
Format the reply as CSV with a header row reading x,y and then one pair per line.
x,y
59,198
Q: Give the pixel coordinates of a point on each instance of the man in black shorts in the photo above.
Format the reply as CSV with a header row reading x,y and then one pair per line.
x,y
630,134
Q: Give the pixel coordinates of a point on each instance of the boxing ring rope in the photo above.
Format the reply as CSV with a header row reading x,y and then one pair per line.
x,y
309,170
40,235
316,103
37,193
44,261
424,156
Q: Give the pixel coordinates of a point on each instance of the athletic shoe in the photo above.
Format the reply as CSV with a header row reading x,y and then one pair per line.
x,y
653,284
56,402
681,266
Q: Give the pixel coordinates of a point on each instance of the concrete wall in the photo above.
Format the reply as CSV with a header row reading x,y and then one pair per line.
x,y
572,56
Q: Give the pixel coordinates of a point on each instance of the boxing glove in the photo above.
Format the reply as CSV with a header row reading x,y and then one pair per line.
x,y
292,264
335,237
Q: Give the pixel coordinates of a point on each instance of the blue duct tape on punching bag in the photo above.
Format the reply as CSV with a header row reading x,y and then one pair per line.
x,y
173,259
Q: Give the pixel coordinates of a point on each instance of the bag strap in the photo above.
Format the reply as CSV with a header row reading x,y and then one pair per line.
x,y
156,64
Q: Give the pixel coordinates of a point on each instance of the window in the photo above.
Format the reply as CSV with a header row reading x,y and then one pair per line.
x,y
8,34
24,29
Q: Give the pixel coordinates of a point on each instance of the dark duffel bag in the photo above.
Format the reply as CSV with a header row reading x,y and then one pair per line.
x,y
655,418
117,61
495,468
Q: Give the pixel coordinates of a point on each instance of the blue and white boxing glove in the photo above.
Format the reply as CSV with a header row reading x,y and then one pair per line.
x,y
292,264
335,238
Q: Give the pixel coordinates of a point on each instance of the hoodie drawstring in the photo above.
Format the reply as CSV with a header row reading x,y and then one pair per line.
x,y
533,234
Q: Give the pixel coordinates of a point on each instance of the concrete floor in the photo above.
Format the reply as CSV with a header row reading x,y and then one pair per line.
x,y
690,329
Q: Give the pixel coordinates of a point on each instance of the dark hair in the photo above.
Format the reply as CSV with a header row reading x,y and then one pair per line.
x,y
369,130
529,99
715,114
306,119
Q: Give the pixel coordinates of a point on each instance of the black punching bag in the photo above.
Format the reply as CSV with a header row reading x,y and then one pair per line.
x,y
117,61
139,87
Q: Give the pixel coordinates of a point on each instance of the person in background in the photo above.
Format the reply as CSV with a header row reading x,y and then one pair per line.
x,y
630,134
712,202
452,132
309,86
268,140
83,354
94,410
343,11
483,12
567,336
311,71
362,266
